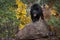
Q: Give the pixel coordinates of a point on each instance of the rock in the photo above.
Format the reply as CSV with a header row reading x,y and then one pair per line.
x,y
37,31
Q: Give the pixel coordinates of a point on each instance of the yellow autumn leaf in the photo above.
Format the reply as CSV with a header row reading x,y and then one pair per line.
x,y
46,6
53,12
24,6
18,16
20,4
24,11
21,26
18,10
29,19
17,1
23,16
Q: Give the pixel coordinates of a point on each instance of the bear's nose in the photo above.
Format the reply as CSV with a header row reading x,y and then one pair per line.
x,y
34,14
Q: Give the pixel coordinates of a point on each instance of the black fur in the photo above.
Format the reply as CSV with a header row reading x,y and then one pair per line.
x,y
38,11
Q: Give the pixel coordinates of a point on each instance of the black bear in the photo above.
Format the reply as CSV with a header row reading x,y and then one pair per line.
x,y
36,12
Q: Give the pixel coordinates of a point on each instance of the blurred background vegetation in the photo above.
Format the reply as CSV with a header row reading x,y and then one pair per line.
x,y
9,22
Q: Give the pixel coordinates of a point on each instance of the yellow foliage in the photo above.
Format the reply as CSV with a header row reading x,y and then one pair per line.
x,y
21,26
18,16
21,14
20,4
18,1
24,11
47,7
18,10
53,12
25,19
